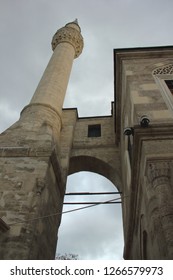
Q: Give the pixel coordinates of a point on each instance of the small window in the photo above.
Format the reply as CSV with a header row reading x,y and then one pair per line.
x,y
94,130
169,84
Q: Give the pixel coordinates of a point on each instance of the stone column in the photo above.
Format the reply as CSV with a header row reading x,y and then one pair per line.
x,y
159,176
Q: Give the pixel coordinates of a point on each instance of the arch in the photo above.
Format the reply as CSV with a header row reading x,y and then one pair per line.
x,y
93,164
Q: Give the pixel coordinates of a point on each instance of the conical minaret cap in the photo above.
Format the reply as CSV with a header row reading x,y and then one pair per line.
x,y
74,24
70,33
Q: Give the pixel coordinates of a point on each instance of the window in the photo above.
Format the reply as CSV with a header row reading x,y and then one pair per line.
x,y
169,84
164,79
94,130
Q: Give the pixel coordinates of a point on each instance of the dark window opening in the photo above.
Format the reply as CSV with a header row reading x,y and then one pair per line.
x,y
94,130
169,84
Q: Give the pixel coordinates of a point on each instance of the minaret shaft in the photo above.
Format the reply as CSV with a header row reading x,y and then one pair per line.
x,y
67,44
53,84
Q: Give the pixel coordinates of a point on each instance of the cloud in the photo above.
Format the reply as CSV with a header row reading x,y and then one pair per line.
x,y
7,116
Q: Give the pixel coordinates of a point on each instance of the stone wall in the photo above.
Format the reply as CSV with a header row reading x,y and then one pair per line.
x,y
82,153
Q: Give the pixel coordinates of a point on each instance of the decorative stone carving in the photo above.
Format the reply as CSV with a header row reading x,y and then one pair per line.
x,y
69,35
159,173
167,69
40,185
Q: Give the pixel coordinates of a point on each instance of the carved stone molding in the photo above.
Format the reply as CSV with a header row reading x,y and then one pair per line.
x,y
161,208
166,69
71,36
158,173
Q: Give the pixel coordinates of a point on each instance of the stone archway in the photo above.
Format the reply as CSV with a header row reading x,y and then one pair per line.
x,y
90,162
96,165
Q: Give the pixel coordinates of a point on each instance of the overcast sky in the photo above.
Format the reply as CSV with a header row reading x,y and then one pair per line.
x,y
26,30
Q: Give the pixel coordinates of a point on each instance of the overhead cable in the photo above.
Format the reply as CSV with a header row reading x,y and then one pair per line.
x,y
65,212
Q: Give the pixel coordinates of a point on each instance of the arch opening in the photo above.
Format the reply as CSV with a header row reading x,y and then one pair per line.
x,y
95,165
95,232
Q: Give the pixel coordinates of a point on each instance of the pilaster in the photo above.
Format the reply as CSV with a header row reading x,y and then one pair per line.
x,y
160,191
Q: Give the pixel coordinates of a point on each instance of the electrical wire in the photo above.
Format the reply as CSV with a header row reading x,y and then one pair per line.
x,y
64,212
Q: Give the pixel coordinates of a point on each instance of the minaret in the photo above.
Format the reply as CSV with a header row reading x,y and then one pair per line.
x,y
67,44
32,184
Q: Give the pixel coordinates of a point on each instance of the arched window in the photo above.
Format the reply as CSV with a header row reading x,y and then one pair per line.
x,y
164,79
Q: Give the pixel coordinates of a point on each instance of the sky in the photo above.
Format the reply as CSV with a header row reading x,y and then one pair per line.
x,y
26,31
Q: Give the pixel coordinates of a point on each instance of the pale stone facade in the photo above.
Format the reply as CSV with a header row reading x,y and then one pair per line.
x,y
146,154
47,144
